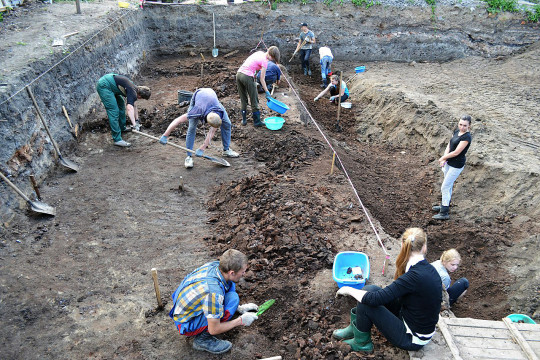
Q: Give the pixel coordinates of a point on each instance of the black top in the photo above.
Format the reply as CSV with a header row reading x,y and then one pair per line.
x,y
420,290
127,88
459,161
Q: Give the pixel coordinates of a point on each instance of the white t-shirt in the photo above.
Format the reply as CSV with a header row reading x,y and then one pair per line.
x,y
325,51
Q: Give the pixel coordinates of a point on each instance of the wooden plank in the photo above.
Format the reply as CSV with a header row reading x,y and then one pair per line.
x,y
448,337
493,354
520,340
477,323
484,343
487,333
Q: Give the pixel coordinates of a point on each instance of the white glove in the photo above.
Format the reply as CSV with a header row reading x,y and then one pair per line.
x,y
137,126
242,309
248,318
345,290
332,98
317,98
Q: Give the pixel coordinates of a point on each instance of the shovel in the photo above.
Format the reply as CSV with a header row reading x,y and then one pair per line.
x,y
219,161
65,162
215,49
35,206
295,51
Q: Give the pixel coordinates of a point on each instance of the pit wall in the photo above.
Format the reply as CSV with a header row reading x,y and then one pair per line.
x,y
482,189
380,33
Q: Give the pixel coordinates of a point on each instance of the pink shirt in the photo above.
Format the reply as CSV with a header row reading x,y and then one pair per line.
x,y
254,63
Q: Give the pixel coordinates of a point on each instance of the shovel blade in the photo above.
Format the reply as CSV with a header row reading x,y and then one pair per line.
x,y
42,208
215,52
69,164
219,161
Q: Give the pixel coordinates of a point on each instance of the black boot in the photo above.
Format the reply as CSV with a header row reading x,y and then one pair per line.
x,y
244,118
436,208
443,213
257,119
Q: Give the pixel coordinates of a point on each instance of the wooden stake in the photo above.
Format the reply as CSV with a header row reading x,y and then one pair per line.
x,y
156,288
35,186
333,161
202,67
67,116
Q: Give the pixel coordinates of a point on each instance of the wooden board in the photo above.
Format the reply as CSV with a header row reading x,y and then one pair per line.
x,y
484,339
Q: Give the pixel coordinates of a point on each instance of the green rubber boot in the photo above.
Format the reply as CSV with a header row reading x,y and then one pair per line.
x,y
361,341
346,333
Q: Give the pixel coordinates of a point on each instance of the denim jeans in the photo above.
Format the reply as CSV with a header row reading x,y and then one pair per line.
x,y
387,319
326,61
192,130
450,176
457,289
304,55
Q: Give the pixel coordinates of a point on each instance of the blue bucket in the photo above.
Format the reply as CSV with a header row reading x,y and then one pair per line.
x,y
359,69
350,259
521,318
277,106
274,122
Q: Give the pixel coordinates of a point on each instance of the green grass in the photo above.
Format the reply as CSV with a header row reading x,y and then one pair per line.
x,y
21,43
365,3
534,14
497,6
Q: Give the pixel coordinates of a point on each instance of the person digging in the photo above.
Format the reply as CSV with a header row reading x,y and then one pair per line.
x,y
204,107
112,90
206,300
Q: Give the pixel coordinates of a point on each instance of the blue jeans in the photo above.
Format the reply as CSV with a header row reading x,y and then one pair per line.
x,y
192,130
199,324
387,319
457,289
450,176
326,61
304,55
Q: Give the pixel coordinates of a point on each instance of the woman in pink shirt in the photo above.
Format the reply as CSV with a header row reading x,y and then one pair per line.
x,y
247,85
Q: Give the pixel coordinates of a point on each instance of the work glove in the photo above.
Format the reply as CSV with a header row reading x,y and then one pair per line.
x,y
268,96
316,98
137,125
332,98
248,318
199,152
242,309
163,139
345,290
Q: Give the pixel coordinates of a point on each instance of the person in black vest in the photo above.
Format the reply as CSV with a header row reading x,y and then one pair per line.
x,y
452,164
407,310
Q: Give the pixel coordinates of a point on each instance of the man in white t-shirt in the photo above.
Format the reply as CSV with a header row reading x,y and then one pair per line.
x,y
326,57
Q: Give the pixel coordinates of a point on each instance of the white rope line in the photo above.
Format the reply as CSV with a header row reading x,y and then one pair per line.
x,y
62,60
340,162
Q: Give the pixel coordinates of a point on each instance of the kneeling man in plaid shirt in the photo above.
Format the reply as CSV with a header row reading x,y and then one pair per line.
x,y
206,300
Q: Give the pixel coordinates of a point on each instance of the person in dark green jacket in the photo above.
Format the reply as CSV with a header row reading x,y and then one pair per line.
x,y
112,90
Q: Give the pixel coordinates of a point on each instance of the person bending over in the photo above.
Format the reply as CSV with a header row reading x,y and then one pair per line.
x,y
448,263
333,88
204,107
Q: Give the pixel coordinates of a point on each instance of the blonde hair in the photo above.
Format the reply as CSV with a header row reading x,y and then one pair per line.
x,y
213,119
232,260
449,255
413,240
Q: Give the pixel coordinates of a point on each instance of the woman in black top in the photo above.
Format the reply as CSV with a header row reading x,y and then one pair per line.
x,y
407,310
452,164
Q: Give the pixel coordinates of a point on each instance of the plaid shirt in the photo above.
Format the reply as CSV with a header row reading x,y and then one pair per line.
x,y
202,291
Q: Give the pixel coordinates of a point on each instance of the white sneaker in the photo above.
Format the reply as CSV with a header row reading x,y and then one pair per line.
x,y
122,143
189,162
231,153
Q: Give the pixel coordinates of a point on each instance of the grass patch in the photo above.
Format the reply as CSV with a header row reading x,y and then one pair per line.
x,y
534,14
497,6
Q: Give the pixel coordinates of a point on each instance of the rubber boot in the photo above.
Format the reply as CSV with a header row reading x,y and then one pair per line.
x,y
361,341
443,213
346,333
257,119
436,208
244,118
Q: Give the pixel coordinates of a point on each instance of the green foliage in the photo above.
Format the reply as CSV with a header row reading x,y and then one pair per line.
x,y
21,43
366,3
1,16
534,15
496,6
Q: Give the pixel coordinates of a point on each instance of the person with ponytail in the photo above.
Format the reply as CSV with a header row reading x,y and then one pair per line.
x,y
407,310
